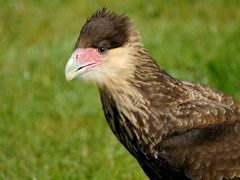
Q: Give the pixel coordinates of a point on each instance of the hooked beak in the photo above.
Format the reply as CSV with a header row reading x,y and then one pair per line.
x,y
72,69
80,61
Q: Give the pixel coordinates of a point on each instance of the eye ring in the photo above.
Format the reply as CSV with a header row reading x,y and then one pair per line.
x,y
101,49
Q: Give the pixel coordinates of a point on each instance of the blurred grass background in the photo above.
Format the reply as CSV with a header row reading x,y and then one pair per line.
x,y
51,129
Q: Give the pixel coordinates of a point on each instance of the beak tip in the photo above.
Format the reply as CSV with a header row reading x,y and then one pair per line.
x,y
68,78
69,69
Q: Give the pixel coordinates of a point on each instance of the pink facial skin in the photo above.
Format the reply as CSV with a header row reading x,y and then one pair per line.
x,y
88,57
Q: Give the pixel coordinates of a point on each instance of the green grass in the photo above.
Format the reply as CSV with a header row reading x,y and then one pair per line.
x,y
51,129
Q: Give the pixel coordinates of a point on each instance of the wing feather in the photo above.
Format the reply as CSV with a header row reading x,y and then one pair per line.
x,y
201,114
204,139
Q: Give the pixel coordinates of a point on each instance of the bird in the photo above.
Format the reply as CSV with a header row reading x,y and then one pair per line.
x,y
175,129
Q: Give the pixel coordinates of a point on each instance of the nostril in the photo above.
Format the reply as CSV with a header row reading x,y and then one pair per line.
x,y
76,56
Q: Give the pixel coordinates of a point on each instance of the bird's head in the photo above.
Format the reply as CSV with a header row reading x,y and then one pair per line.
x,y
104,48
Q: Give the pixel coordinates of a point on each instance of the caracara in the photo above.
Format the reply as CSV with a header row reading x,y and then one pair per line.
x,y
175,129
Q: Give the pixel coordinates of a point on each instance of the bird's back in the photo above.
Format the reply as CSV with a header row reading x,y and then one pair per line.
x,y
209,146
210,153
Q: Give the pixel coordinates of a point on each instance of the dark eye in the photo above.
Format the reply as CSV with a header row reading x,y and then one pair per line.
x,y
102,49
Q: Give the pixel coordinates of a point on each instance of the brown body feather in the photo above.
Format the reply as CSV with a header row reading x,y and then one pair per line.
x,y
188,127
175,129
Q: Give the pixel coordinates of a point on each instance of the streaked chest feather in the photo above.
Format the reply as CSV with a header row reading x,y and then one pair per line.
x,y
128,117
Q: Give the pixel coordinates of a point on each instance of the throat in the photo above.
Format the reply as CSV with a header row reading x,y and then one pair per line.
x,y
125,100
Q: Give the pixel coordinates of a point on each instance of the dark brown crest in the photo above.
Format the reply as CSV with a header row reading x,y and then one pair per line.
x,y
104,28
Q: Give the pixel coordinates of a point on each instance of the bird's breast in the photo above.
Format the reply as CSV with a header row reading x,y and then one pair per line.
x,y
121,126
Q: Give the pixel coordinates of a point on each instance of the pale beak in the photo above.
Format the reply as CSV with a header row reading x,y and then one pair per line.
x,y
72,69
